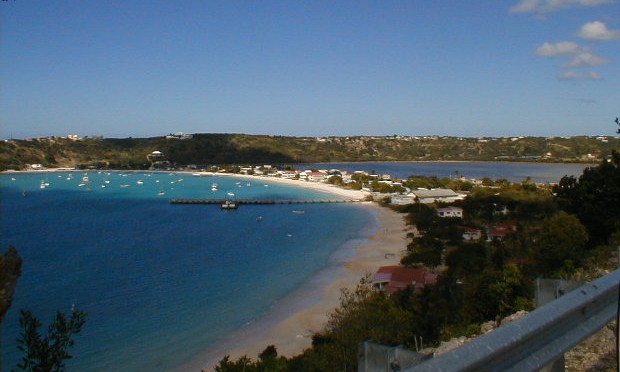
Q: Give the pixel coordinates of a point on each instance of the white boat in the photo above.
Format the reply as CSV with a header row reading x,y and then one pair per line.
x,y
229,204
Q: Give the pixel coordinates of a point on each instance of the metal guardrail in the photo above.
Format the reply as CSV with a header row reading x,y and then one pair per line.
x,y
536,340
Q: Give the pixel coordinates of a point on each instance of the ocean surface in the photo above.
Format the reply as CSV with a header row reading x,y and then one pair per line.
x,y
160,283
513,172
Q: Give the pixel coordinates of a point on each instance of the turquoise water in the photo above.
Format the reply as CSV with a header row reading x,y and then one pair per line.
x,y
160,282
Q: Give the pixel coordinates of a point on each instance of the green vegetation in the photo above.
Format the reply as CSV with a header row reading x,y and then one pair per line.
x,y
222,149
481,279
48,353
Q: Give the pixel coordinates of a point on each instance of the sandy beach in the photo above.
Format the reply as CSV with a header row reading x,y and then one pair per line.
x,y
292,321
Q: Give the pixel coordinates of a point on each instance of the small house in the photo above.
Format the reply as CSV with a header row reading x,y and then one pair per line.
x,y
450,212
395,278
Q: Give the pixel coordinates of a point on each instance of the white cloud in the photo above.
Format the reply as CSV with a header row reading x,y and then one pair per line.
x,y
581,57
558,49
572,75
548,6
598,31
586,59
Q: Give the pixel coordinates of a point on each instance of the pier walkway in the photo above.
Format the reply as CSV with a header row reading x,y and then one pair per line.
x,y
262,201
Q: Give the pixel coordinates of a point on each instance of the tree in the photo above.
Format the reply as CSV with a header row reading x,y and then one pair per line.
x,y
425,250
560,243
593,197
48,353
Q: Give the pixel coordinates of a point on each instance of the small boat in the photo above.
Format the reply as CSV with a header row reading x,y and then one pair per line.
x,y
299,212
161,193
229,204
140,182
259,218
44,185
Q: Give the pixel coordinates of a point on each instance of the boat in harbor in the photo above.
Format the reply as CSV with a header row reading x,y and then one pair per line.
x,y
229,204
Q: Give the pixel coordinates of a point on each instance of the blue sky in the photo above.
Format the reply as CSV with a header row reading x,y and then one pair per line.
x,y
310,68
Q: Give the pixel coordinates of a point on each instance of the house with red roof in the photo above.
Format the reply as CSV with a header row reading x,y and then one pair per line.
x,y
471,234
395,278
498,231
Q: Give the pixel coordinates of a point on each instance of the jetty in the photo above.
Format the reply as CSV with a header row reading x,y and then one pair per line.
x,y
262,201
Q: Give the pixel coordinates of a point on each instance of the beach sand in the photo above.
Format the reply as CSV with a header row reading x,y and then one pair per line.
x,y
290,324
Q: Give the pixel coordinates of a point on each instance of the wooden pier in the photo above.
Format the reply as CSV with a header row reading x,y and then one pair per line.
x,y
262,201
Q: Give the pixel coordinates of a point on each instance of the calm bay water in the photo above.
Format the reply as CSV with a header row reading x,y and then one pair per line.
x,y
514,172
162,282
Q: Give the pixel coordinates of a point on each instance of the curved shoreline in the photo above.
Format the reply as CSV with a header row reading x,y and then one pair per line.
x,y
290,324
292,320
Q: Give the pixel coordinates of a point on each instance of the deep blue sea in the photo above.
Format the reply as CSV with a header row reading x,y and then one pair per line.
x,y
160,282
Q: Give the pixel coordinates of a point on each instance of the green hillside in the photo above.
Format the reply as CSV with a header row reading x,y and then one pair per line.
x,y
221,149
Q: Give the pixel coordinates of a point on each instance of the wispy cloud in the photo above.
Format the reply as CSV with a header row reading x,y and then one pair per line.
x,y
581,56
549,6
558,49
572,75
598,31
577,57
586,59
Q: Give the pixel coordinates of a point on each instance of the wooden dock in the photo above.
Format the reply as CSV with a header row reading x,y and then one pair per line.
x,y
262,201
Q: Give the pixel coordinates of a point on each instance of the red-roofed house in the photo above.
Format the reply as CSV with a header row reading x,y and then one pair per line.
x,y
396,278
469,233
498,231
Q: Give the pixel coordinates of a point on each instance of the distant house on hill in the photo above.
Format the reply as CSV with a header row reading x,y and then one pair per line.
x,y
453,212
156,156
395,278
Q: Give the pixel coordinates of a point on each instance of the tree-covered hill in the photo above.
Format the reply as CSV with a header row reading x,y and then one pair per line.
x,y
218,149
